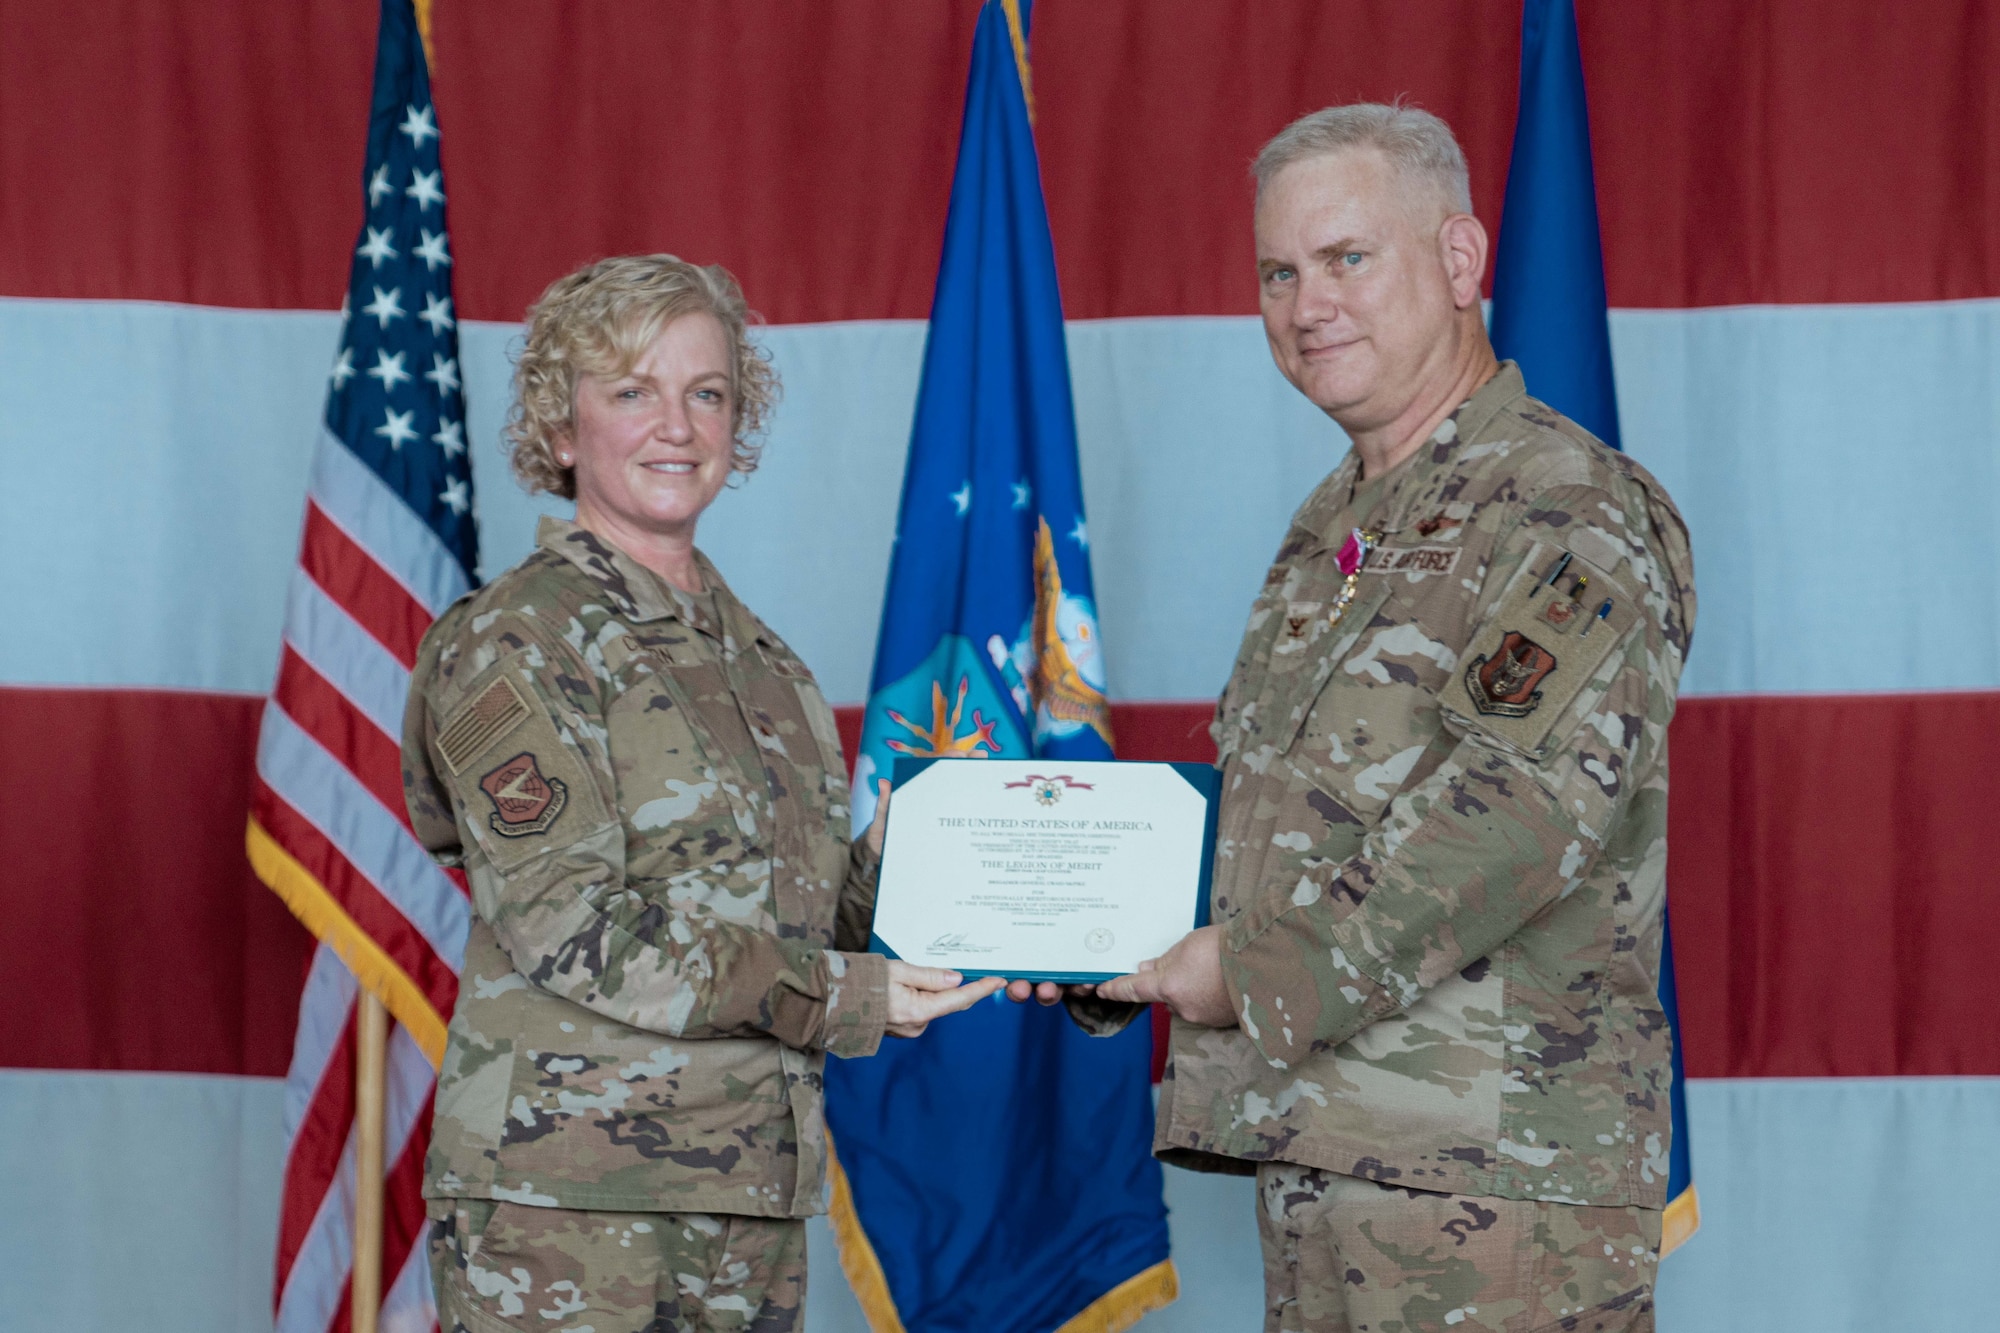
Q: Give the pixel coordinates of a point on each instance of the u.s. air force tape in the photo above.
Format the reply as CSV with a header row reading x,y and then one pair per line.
x,y
473,729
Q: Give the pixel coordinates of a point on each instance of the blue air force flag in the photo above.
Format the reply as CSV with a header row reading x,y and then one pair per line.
x,y
996,1173
1549,315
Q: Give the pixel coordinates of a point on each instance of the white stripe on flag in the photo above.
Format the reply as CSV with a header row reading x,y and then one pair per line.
x,y
321,790
323,1008
320,1271
366,509
408,1307
350,659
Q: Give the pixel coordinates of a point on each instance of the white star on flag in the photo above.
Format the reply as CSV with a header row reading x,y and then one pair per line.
x,y
377,248
436,313
396,427
419,125
962,498
343,368
1022,493
450,437
456,494
386,305
443,373
1077,534
431,250
378,185
388,368
424,188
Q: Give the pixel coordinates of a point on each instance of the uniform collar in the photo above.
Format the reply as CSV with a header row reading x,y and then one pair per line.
x,y
1466,421
1476,413
641,595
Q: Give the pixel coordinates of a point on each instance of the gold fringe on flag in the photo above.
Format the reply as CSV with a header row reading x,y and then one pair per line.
x,y
1683,1219
424,31
328,920
1019,37
1130,1301
1113,1312
857,1255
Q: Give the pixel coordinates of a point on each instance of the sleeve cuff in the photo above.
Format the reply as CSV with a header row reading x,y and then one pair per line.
x,y
1293,996
857,1003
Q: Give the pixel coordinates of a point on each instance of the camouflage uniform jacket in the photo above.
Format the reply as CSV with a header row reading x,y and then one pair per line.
x,y
1442,852
647,794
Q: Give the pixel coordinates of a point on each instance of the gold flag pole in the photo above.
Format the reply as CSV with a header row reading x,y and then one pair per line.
x,y
369,1067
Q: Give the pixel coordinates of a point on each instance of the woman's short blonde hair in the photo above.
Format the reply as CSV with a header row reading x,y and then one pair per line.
x,y
600,320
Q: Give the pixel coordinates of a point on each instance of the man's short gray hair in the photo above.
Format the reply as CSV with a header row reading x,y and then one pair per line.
x,y
1415,141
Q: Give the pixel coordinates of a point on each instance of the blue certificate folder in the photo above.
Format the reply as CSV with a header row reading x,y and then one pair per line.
x,y
1204,778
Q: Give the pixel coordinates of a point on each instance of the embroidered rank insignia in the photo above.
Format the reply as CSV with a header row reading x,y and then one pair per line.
x,y
477,726
524,801
1508,682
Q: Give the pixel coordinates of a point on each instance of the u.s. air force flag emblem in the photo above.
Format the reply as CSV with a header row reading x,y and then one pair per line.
x,y
990,646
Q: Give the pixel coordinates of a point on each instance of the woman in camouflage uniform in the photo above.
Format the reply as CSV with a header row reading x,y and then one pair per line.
x,y
645,789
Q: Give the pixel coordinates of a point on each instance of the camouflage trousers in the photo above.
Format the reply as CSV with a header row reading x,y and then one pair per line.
x,y
1346,1255
503,1267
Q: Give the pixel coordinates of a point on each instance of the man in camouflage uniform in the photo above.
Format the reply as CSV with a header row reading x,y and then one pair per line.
x,y
646,791
1426,1016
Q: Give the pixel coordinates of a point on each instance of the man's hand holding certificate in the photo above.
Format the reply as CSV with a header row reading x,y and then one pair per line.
x,y
1044,870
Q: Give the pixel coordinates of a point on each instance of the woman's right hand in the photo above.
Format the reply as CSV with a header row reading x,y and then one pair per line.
x,y
919,994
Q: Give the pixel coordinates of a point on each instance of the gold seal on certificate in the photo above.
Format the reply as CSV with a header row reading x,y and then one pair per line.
x,y
1044,869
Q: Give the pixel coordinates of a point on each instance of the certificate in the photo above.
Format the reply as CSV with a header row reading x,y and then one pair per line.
x,y
1044,869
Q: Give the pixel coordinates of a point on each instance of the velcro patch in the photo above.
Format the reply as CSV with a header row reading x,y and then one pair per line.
x,y
524,800
1524,668
477,726
1413,560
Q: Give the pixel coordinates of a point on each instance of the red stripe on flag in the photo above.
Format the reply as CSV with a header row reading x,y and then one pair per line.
x,y
1828,871
375,914
368,592
1736,150
1832,877
1803,831
133,934
404,1224
314,1155
329,717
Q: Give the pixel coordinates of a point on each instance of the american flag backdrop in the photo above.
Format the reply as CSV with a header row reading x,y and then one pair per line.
x,y
389,542
1801,245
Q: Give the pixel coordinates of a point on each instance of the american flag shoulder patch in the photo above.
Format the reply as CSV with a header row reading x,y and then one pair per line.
x,y
470,731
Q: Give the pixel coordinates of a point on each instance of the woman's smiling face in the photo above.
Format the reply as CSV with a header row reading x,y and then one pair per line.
x,y
654,447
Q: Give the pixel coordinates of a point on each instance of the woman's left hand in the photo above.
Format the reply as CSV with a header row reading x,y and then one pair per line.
x,y
919,994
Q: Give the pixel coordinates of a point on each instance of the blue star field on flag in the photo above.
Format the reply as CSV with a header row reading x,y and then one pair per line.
x,y
396,398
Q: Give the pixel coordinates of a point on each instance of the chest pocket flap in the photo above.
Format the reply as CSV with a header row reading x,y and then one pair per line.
x,y
1292,692
1540,650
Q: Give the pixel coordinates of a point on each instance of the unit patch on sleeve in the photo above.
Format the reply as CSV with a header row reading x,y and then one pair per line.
x,y
477,725
1507,683
524,801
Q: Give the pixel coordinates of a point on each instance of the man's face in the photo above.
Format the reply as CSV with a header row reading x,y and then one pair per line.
x,y
1356,299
